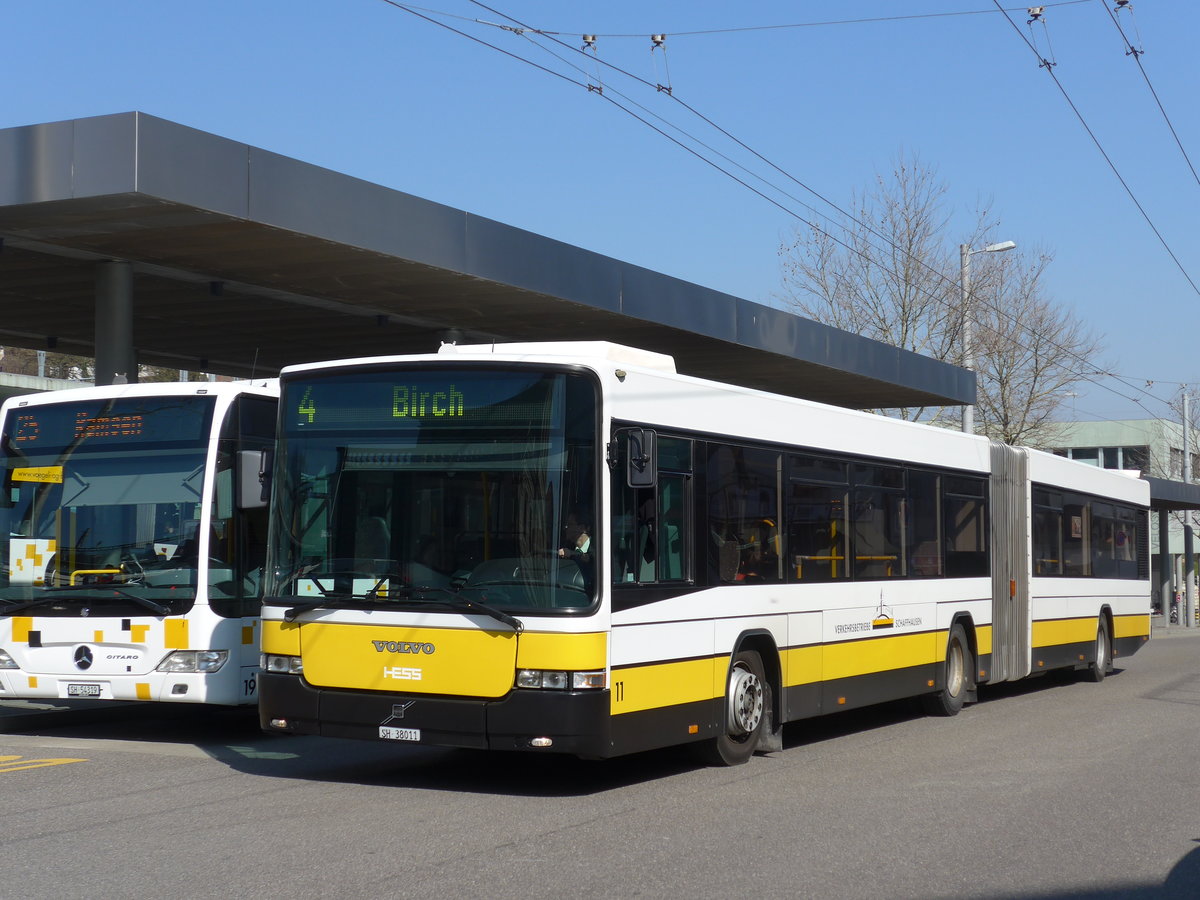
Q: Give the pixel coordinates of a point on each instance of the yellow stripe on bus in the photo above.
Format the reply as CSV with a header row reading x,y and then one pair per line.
x,y
1131,626
801,665
673,683
21,626
1054,632
872,655
667,684
983,640
569,652
282,638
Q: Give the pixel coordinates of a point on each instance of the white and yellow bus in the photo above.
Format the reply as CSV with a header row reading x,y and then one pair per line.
x,y
572,548
133,534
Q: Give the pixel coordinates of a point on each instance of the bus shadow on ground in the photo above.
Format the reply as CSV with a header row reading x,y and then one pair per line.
x,y
232,737
532,774
807,732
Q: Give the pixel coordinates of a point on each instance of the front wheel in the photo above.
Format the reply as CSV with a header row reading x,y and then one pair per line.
x,y
958,680
745,713
1103,655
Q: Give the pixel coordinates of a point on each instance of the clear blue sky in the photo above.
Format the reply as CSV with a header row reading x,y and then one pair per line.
x,y
373,91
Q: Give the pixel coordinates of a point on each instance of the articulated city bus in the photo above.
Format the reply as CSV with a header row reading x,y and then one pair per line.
x,y
133,535
572,548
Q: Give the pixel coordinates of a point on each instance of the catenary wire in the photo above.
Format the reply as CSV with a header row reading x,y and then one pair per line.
x,y
524,31
1095,140
1137,58
784,26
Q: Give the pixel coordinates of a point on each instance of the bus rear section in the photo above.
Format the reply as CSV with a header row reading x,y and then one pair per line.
x,y
134,538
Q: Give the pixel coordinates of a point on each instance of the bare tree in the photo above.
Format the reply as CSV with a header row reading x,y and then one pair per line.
x,y
892,274
22,361
1029,354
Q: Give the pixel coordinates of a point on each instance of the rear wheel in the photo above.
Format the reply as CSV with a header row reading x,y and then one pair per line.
x,y
958,680
1103,655
745,713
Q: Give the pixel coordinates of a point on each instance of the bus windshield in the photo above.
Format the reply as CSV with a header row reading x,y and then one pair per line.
x,y
100,506
437,484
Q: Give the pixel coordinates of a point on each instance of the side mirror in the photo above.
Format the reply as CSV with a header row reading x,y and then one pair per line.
x,y
642,468
253,491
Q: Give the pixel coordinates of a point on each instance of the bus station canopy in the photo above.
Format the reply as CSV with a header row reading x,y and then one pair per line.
x,y
244,261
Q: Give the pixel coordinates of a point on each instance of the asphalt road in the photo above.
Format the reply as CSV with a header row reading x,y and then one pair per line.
x,y
1048,789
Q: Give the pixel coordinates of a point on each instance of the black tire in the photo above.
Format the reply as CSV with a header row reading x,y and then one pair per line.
x,y
744,714
957,677
1102,655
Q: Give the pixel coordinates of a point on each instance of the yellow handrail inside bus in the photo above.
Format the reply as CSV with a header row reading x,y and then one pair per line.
x,y
93,572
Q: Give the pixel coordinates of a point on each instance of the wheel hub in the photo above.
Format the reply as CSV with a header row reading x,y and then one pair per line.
x,y
745,701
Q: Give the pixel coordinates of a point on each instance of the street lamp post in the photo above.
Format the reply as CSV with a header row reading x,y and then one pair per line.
x,y
965,252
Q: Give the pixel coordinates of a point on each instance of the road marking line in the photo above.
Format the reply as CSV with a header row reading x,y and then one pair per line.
x,y
17,763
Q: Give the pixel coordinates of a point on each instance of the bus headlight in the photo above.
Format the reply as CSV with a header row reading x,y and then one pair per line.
x,y
551,680
203,661
281,665
6,661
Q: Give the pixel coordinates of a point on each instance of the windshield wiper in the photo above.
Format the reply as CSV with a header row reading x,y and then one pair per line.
x,y
328,598
157,608
29,604
436,595
466,604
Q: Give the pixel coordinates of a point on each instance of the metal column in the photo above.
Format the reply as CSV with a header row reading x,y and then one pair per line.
x,y
1165,566
1187,611
115,356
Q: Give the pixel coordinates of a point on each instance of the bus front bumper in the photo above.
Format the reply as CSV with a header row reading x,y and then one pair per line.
x,y
574,722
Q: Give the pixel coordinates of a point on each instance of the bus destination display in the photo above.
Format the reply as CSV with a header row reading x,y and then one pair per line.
x,y
427,398
81,426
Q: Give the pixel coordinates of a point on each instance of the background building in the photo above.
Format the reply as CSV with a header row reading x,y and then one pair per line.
x,y
1152,447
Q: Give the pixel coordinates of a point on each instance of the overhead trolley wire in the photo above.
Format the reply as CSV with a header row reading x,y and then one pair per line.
x,y
1095,140
523,30
526,31
1136,53
735,29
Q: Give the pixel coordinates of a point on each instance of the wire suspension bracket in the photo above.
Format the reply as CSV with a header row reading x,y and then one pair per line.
x,y
659,42
1036,16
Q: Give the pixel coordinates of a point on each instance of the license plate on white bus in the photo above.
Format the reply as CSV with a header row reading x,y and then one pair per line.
x,y
83,690
388,733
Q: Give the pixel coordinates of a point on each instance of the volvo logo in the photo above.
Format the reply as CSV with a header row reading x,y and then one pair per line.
x,y
83,657
403,647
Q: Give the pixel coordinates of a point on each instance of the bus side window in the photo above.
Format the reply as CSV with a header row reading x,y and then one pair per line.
x,y
649,528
